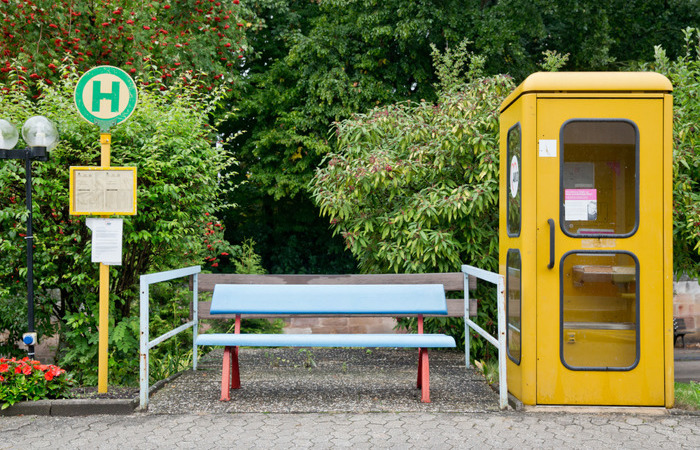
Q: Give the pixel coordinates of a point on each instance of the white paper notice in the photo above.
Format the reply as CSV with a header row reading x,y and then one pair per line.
x,y
580,204
548,148
106,240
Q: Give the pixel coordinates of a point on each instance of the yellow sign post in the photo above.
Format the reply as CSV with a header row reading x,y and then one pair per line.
x,y
105,96
102,354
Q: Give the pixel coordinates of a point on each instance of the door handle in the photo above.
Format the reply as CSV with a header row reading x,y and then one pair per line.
x,y
551,243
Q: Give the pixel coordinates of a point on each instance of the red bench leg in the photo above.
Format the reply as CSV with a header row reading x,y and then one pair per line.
x,y
230,375
423,375
235,374
226,375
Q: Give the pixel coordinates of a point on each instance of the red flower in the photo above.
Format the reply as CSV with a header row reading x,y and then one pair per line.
x,y
2,378
4,368
52,66
224,254
27,370
215,265
235,2
48,376
146,27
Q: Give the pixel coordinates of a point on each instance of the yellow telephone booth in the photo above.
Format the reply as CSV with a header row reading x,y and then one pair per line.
x,y
586,238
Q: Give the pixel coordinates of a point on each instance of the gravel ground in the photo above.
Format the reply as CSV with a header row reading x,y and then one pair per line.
x,y
290,380
113,392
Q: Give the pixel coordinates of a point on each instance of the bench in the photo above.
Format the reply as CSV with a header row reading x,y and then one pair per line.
x,y
333,299
451,282
681,327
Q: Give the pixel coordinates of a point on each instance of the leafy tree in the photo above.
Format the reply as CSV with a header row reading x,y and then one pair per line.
x,y
413,186
169,140
172,36
684,73
317,63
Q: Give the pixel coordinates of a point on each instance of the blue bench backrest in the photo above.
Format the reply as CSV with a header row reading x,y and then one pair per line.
x,y
407,299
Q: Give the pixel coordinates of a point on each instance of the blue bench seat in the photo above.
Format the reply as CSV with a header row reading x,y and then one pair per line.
x,y
326,300
328,340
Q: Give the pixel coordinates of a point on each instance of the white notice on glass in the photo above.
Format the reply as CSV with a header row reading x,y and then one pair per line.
x,y
106,240
580,204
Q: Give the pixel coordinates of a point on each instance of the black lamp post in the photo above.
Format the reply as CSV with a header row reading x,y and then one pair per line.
x,y
41,136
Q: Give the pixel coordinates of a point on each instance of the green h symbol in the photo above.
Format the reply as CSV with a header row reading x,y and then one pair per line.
x,y
98,95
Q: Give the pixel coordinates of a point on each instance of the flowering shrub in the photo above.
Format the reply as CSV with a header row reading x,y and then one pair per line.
x,y
27,379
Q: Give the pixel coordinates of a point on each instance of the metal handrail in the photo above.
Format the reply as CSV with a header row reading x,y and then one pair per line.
x,y
145,345
499,343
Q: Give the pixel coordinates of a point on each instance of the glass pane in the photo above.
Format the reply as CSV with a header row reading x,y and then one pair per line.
x,y
513,303
514,184
599,177
599,308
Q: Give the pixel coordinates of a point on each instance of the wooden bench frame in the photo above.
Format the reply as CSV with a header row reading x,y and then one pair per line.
x,y
230,370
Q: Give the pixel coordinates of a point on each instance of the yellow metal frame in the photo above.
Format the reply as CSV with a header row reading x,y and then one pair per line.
x,y
75,212
600,96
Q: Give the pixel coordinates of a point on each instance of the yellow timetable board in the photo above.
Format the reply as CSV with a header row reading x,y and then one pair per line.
x,y
103,191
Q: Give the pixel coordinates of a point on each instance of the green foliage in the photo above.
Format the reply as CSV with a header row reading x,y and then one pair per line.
x,y
171,37
489,369
27,379
553,60
169,140
688,395
249,261
684,73
290,235
317,63
414,186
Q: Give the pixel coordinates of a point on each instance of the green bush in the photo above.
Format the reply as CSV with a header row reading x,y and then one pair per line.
x,y
684,74
413,187
170,141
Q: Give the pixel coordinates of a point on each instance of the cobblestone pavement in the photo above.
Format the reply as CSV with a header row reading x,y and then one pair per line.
x,y
368,430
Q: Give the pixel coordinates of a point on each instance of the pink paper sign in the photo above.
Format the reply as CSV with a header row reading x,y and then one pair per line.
x,y
580,204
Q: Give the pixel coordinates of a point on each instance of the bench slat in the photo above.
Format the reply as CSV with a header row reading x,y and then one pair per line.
x,y
455,308
328,340
328,299
452,281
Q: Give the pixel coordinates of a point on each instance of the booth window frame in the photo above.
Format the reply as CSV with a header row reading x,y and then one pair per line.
x,y
562,221
508,306
637,315
509,199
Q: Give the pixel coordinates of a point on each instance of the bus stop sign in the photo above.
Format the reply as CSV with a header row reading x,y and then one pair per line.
x,y
105,96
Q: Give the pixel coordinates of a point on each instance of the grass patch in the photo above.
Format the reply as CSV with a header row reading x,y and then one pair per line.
x,y
688,395
489,370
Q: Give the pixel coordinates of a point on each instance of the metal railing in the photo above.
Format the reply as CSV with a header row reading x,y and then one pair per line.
x,y
499,343
145,344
